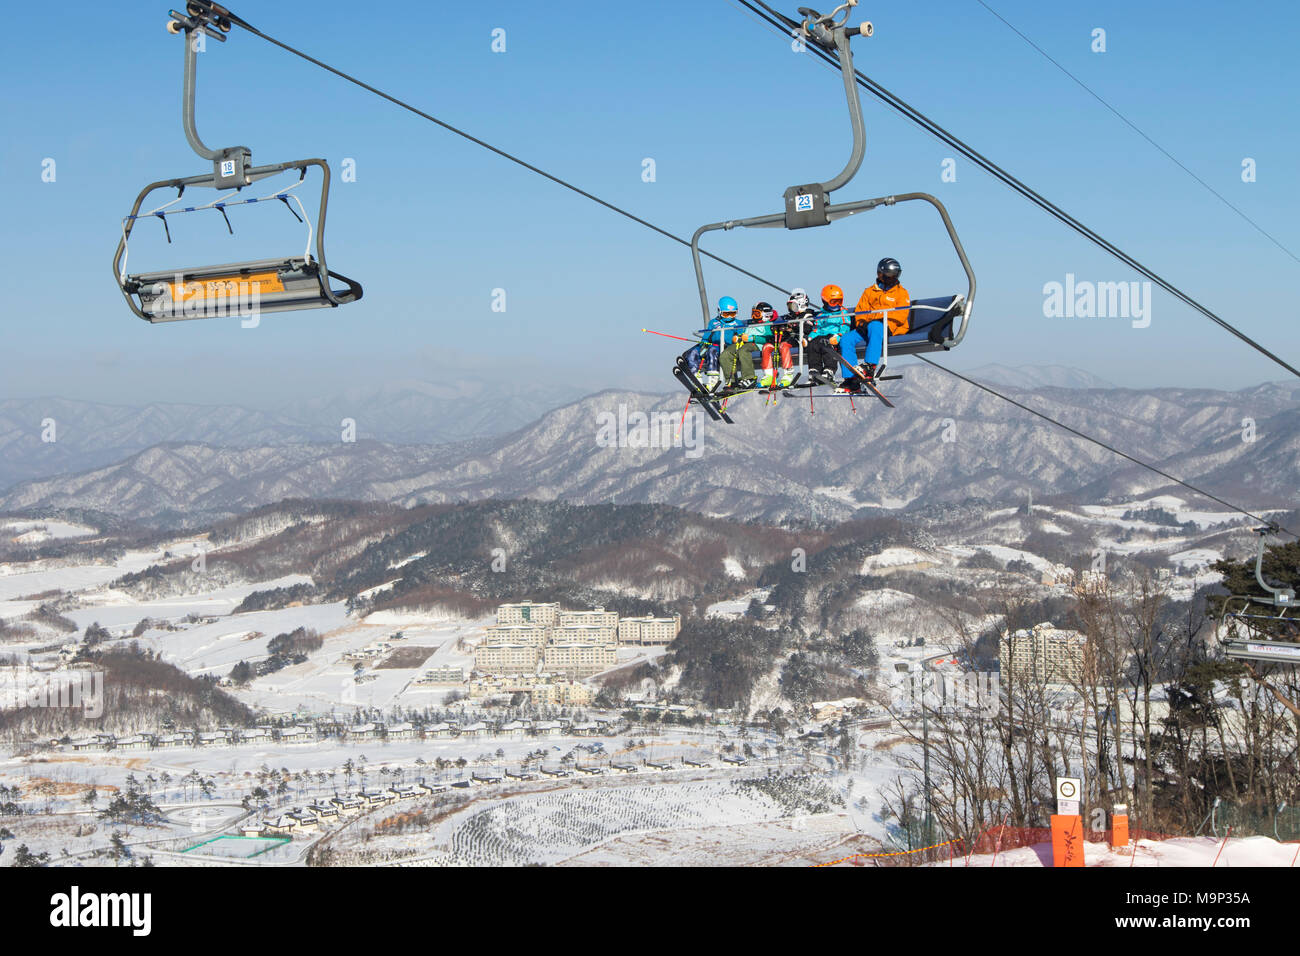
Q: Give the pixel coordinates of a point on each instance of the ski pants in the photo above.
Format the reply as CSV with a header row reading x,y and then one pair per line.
x,y
822,355
769,348
737,352
874,340
709,363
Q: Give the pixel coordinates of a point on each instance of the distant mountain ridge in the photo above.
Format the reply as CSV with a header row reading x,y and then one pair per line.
x,y
1037,376
946,442
88,435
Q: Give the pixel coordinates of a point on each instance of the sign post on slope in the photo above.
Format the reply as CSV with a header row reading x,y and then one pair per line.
x,y
1067,824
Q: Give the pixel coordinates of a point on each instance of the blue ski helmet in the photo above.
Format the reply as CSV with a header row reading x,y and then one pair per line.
x,y
728,304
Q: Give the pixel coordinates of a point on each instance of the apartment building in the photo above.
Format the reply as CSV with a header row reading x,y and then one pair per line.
x,y
579,660
526,612
507,658
536,635
561,694
442,674
1043,654
585,633
598,617
649,630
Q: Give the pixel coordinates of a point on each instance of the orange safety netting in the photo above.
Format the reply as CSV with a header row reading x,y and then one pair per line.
x,y
993,840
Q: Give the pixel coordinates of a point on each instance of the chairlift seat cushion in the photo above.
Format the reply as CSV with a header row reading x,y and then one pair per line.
x,y
928,327
237,288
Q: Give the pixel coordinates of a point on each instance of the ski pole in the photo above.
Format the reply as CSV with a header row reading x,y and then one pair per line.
x,y
677,337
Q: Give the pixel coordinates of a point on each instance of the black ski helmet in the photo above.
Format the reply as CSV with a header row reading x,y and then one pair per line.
x,y
761,310
889,268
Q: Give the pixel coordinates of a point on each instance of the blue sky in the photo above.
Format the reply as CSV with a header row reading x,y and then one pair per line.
x,y
730,115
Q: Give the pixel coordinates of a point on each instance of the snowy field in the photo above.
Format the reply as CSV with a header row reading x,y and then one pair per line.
x,y
736,607
800,841
621,821
1178,507
35,532
114,609
1185,852
892,558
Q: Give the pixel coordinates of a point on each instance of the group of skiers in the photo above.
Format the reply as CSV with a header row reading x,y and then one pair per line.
x,y
829,336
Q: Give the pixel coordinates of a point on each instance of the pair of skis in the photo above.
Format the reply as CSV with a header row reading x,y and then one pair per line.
x,y
714,403
772,389
870,384
866,380
710,403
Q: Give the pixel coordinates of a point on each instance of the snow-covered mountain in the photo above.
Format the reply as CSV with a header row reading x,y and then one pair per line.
x,y
1036,376
945,442
51,436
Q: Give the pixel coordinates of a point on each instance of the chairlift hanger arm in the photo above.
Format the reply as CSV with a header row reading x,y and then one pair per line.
x,y
1281,596
831,36
230,165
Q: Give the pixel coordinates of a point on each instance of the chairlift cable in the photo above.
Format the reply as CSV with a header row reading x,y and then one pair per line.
x,y
488,146
1133,126
776,20
1101,444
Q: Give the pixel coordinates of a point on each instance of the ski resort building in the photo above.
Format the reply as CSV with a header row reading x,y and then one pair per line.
x,y
542,689
1043,654
598,617
560,694
535,635
443,674
579,660
543,615
655,631
576,644
542,624
585,633
507,658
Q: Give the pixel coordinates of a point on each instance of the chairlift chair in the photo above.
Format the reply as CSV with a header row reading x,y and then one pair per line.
x,y
1263,615
241,288
935,324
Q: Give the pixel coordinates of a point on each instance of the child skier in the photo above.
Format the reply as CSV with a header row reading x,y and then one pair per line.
x,y
739,353
713,337
765,331
822,343
799,320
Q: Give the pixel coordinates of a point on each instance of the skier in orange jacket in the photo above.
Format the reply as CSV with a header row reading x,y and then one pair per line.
x,y
886,302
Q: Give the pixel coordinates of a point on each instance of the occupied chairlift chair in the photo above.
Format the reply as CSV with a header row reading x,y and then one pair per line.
x,y
1251,613
237,288
934,324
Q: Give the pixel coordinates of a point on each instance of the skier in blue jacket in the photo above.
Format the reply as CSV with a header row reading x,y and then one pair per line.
x,y
823,342
714,336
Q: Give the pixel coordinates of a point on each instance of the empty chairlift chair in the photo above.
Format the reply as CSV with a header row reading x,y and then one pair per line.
x,y
299,281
